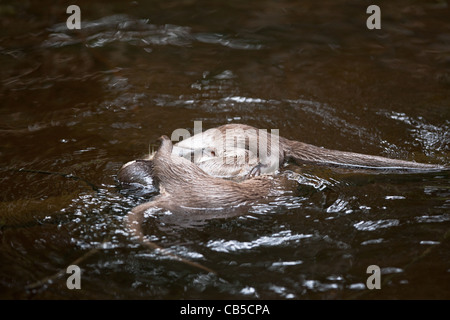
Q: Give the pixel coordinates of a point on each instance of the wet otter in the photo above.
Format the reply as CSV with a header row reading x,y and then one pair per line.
x,y
226,152
223,138
188,190
185,188
177,176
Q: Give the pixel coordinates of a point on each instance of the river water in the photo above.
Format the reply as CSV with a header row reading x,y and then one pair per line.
x,y
77,104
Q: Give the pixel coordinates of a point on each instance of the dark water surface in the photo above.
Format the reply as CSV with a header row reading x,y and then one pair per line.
x,y
76,105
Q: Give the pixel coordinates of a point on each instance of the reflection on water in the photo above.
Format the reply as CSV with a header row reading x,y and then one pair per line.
x,y
274,240
76,105
374,225
140,33
432,138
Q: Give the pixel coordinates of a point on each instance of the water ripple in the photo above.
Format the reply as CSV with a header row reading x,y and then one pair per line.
x,y
432,137
375,225
141,33
433,219
274,240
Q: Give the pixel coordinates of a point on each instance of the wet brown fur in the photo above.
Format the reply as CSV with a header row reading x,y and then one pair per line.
x,y
187,188
300,152
288,150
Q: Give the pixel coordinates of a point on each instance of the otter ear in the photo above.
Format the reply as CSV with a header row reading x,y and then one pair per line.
x,y
163,138
165,143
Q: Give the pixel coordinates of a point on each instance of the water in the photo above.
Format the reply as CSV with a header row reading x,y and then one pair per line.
x,y
76,105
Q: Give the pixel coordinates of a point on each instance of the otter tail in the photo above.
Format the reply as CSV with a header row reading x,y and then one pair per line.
x,y
305,153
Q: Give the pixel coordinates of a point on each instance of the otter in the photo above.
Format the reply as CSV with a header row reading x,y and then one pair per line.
x,y
188,186
197,189
229,152
186,189
137,172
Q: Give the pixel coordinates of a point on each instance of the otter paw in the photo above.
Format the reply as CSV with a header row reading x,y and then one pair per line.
x,y
255,171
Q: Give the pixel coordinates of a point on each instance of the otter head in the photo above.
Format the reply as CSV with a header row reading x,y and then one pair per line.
x,y
139,174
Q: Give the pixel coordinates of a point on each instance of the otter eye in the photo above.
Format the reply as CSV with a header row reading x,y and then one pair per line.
x,y
210,151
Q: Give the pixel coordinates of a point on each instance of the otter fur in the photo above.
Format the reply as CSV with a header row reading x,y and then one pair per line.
x,y
232,136
197,189
186,188
227,152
